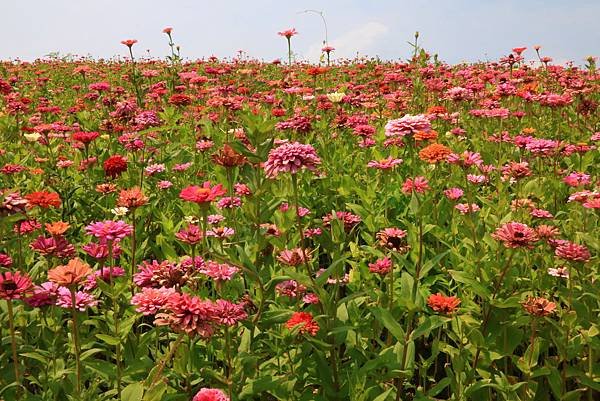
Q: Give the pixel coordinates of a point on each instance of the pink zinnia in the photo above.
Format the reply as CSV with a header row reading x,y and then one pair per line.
x,y
109,230
219,271
514,235
381,266
418,184
151,300
291,158
14,285
453,193
465,208
384,164
407,125
83,300
288,33
210,394
188,314
572,251
228,313
190,235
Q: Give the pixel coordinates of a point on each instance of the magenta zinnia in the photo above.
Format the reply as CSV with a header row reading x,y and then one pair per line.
x,y
204,194
14,285
109,230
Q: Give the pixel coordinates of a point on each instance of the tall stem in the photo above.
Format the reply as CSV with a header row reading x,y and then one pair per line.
x,y
76,341
489,309
13,343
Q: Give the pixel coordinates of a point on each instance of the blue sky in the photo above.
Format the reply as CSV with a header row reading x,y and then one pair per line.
x,y
458,30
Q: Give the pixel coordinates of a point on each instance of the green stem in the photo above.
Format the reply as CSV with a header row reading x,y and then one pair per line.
x,y
76,341
13,343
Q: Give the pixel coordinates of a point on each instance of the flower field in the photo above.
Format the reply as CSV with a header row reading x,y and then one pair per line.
x,y
243,230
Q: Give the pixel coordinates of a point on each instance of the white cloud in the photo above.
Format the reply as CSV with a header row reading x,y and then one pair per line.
x,y
359,39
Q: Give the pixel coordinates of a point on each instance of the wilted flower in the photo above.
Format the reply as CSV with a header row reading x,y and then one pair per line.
x,y
538,306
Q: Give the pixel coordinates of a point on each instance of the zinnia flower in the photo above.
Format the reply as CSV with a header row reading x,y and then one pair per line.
x,y
291,158
407,125
151,300
109,230
393,239
381,266
514,235
210,394
203,194
43,199
538,306
571,251
115,165
304,322
132,198
72,273
14,285
288,33
443,304
188,314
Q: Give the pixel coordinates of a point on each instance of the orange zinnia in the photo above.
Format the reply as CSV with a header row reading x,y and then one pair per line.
x,y
425,135
72,273
57,228
434,153
132,198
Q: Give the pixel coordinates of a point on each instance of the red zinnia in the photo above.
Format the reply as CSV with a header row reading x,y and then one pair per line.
x,y
43,199
115,165
305,321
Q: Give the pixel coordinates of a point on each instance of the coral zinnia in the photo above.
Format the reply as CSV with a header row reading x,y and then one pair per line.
x,y
443,304
132,198
291,158
14,285
514,235
43,199
72,273
188,314
203,194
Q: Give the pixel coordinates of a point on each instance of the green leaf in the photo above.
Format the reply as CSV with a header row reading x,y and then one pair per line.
x,y
384,396
133,392
385,317
108,339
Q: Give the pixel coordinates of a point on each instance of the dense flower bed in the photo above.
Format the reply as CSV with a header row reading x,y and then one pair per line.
x,y
245,230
